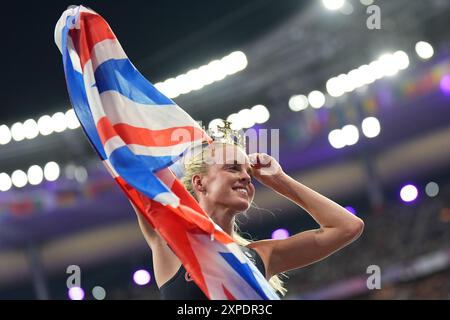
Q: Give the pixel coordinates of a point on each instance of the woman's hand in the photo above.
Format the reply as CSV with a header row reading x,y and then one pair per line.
x,y
265,168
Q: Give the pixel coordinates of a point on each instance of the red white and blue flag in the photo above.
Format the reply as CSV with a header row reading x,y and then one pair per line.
x,y
138,134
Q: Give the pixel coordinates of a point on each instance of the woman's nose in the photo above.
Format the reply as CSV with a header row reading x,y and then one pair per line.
x,y
245,177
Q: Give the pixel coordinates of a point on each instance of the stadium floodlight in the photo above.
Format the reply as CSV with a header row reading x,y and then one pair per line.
x,y
316,99
424,50
333,4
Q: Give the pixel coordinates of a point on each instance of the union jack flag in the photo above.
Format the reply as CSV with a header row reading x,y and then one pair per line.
x,y
139,134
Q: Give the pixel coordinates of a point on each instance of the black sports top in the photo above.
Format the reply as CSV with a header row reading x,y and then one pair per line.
x,y
182,287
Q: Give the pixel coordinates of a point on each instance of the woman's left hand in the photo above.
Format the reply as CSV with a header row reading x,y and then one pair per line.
x,y
265,168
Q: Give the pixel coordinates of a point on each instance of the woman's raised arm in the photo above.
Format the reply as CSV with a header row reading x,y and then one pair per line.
x,y
338,227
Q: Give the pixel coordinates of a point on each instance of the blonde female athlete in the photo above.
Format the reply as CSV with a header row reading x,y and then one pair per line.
x,y
220,178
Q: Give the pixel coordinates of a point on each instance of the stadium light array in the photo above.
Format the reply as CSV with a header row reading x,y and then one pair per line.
x,y
244,119
349,134
193,80
45,125
33,176
387,65
198,78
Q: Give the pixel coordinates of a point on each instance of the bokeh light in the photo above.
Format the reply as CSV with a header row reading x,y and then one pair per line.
x,y
280,234
17,131
336,139
35,175
424,50
19,179
45,125
445,84
432,189
51,171
333,4
30,129
5,134
350,134
260,113
5,182
409,193
316,99
371,127
76,293
298,103
141,277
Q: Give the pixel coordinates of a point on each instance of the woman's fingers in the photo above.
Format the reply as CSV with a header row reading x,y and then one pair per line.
x,y
260,160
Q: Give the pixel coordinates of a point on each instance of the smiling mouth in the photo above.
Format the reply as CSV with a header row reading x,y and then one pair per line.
x,y
242,191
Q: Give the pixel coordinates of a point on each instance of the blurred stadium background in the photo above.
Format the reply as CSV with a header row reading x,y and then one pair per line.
x,y
364,118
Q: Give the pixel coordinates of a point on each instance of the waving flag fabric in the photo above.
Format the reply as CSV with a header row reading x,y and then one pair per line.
x,y
139,133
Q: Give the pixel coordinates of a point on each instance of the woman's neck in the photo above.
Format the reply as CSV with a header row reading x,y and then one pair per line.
x,y
223,217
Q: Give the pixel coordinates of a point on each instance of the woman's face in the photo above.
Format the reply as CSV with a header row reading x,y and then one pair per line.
x,y
228,181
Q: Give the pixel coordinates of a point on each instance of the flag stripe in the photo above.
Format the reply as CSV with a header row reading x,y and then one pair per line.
x,y
121,109
106,50
115,142
247,274
74,56
77,93
146,137
138,172
117,74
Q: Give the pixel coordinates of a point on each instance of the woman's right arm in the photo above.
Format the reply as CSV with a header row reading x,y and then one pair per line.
x,y
149,233
165,262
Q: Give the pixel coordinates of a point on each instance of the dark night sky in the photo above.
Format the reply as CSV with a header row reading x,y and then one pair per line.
x,y
161,37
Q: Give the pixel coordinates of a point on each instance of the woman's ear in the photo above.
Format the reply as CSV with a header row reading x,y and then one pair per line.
x,y
197,183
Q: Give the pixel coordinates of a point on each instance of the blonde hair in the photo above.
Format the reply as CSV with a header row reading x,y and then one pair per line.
x,y
198,164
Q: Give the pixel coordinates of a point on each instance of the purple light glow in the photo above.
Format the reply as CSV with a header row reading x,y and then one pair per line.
x,y
351,210
141,277
445,84
76,293
280,234
409,193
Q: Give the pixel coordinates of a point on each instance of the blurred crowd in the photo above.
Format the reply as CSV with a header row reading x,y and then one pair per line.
x,y
433,287
395,237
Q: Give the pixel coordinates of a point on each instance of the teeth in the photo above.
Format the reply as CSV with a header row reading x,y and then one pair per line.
x,y
242,190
